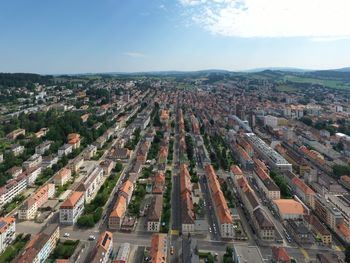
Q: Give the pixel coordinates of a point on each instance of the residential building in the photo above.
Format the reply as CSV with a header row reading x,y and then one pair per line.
x,y
15,149
187,213
107,166
103,249
91,184
12,188
15,171
265,183
320,231
159,248
43,147
72,208
41,246
89,152
74,140
76,164
118,213
65,149
34,161
28,210
49,161
126,190
280,255
123,253
263,225
62,177
155,214
7,232
31,174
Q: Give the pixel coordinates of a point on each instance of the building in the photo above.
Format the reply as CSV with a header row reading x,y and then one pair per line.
x,y
190,250
74,140
89,152
62,177
107,166
263,225
223,213
7,232
246,254
28,210
43,147
320,231
265,183
31,174
159,248
14,134
15,171
49,161
76,164
65,150
155,214
187,213
123,253
15,149
91,184
118,213
289,209
275,160
72,208
41,246
327,212
34,161
103,249
299,231
12,188
280,255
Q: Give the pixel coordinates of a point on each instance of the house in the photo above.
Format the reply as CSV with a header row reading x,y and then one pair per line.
x,y
62,177
15,149
74,140
41,246
28,210
65,150
116,217
289,208
103,249
33,161
91,184
280,255
12,188
107,166
43,147
159,248
14,134
7,232
155,214
72,208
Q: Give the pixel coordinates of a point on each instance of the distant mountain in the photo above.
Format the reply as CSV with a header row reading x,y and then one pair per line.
x,y
343,69
284,69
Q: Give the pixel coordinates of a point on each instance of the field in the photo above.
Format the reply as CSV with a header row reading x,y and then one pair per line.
x,y
334,84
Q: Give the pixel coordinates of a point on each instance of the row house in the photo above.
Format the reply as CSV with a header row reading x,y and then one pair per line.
x,y
91,184
28,210
223,213
41,246
187,212
265,183
72,208
12,188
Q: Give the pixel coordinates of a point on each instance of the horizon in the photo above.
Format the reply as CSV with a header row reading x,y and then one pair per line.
x,y
62,37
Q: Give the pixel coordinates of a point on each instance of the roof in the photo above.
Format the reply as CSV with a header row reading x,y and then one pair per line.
x,y
289,206
236,170
302,186
280,254
119,207
5,222
156,207
344,230
262,219
127,187
71,201
63,173
158,252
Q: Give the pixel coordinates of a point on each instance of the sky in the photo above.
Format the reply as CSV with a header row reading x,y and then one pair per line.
x,y
90,36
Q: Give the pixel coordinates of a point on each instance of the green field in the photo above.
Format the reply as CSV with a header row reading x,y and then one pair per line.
x,y
334,84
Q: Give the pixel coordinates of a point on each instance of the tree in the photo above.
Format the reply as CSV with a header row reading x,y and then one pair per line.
x,y
347,254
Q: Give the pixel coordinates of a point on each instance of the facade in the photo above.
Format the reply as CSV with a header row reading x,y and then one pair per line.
x,y
62,177
65,149
72,208
7,232
159,248
91,184
155,214
12,188
116,217
34,161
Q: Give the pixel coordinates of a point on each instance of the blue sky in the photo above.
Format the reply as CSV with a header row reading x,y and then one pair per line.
x,y
79,36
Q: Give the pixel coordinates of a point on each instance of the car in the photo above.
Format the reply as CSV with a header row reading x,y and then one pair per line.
x,y
172,250
91,237
209,229
66,235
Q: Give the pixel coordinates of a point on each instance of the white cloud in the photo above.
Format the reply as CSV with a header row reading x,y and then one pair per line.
x,y
135,54
319,19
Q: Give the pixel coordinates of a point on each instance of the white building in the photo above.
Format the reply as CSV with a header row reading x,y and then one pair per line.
x,y
72,208
91,184
33,161
65,149
12,188
7,232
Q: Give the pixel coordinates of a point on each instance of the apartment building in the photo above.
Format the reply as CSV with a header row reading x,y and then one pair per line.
x,y
72,208
74,140
41,246
34,161
15,149
65,149
28,210
103,249
76,164
107,166
265,183
118,213
123,253
187,213
31,174
91,184
43,147
12,188
159,248
223,213
89,152
327,212
7,232
62,177
155,214
263,225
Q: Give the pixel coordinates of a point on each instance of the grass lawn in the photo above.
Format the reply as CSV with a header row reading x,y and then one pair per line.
x,y
13,250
